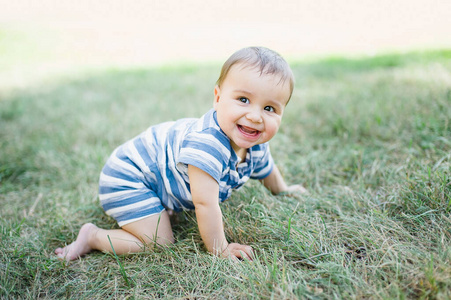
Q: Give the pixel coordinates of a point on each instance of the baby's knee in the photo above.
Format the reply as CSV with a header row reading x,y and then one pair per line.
x,y
165,239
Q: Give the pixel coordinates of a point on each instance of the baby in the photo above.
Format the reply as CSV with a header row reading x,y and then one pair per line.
x,y
195,163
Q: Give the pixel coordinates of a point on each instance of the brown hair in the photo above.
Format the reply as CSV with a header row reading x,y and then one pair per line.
x,y
265,60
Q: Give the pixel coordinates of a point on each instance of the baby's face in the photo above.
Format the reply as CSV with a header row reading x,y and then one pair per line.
x,y
250,106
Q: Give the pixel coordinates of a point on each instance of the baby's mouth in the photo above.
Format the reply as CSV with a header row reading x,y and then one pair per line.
x,y
248,131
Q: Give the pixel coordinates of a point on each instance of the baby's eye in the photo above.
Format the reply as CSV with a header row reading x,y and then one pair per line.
x,y
243,99
270,108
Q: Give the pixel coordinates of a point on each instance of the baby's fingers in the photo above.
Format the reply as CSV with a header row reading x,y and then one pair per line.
x,y
245,256
293,190
243,252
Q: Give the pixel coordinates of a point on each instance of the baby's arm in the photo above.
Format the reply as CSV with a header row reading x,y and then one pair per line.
x,y
275,183
205,192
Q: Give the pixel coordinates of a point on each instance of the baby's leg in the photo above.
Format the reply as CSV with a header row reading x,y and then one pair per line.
x,y
132,238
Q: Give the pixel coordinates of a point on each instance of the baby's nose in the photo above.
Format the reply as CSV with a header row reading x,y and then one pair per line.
x,y
254,116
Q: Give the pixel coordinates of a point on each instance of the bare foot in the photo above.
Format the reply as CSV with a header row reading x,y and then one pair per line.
x,y
81,245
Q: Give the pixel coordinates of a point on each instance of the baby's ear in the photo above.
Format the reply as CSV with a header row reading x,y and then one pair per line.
x,y
217,92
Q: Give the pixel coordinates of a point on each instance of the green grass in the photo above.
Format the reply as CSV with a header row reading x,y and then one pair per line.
x,y
370,138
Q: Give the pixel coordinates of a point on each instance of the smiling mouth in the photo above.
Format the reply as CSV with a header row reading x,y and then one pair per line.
x,y
249,132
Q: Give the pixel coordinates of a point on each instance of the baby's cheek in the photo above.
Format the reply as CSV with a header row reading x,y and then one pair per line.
x,y
271,130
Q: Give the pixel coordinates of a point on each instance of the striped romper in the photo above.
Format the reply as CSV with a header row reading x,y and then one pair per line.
x,y
149,173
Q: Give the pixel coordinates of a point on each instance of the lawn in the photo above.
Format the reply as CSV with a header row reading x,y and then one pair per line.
x,y
369,137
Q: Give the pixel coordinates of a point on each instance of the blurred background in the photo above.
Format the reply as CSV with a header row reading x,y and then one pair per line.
x,y
50,37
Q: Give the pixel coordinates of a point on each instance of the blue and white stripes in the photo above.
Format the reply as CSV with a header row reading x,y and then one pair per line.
x,y
150,172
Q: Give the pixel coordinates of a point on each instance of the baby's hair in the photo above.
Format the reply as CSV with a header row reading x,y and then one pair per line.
x,y
265,60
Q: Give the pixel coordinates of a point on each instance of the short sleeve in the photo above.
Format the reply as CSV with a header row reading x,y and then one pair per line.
x,y
263,162
206,151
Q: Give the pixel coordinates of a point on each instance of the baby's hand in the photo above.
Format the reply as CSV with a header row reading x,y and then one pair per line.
x,y
238,252
294,189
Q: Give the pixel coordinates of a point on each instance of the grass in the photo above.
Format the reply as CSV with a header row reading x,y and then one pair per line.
x,y
369,137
